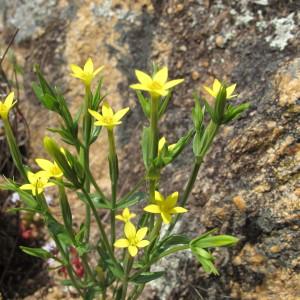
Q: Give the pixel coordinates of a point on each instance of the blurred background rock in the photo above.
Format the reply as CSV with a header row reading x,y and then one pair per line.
x,y
249,184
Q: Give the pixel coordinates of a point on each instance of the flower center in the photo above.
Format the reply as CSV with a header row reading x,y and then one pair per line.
x,y
156,85
55,170
108,119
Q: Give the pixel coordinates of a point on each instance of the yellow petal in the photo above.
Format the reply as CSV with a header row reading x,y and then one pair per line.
x,y
44,164
133,250
121,243
126,212
171,200
139,86
120,114
160,92
166,217
26,186
158,196
120,218
76,69
141,233
152,208
89,66
31,177
161,76
230,90
9,100
178,210
107,110
143,78
143,243
210,91
129,230
172,83
161,143
171,147
98,70
216,86
95,114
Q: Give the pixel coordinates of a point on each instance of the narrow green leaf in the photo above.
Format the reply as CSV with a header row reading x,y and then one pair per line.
x,y
37,252
131,200
146,277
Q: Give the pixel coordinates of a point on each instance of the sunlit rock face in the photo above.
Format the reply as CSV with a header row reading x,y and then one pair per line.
x,y
249,183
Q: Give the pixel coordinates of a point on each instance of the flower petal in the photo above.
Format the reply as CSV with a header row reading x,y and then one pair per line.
x,y
31,177
178,210
76,69
121,243
107,110
171,200
139,86
120,114
141,233
129,230
44,164
88,66
26,186
166,217
161,143
210,91
95,114
143,243
143,78
120,218
161,76
216,86
172,83
230,90
9,100
158,196
126,212
133,250
98,70
152,208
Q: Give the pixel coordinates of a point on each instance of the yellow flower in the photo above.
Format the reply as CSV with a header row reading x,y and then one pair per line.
x,y
126,215
108,119
134,239
161,144
37,182
86,74
51,169
216,88
165,207
6,106
156,85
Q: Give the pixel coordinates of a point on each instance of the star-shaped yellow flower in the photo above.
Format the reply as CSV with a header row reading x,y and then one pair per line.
x,y
126,215
134,239
216,88
165,207
86,74
162,141
6,106
51,169
156,85
37,182
108,119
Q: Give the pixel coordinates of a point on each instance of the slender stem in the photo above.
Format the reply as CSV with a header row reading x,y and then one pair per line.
x,y
14,149
154,142
127,267
87,123
113,165
99,223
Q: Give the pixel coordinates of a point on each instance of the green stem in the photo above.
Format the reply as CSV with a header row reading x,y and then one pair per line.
x,y
127,267
99,223
207,140
114,172
14,149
